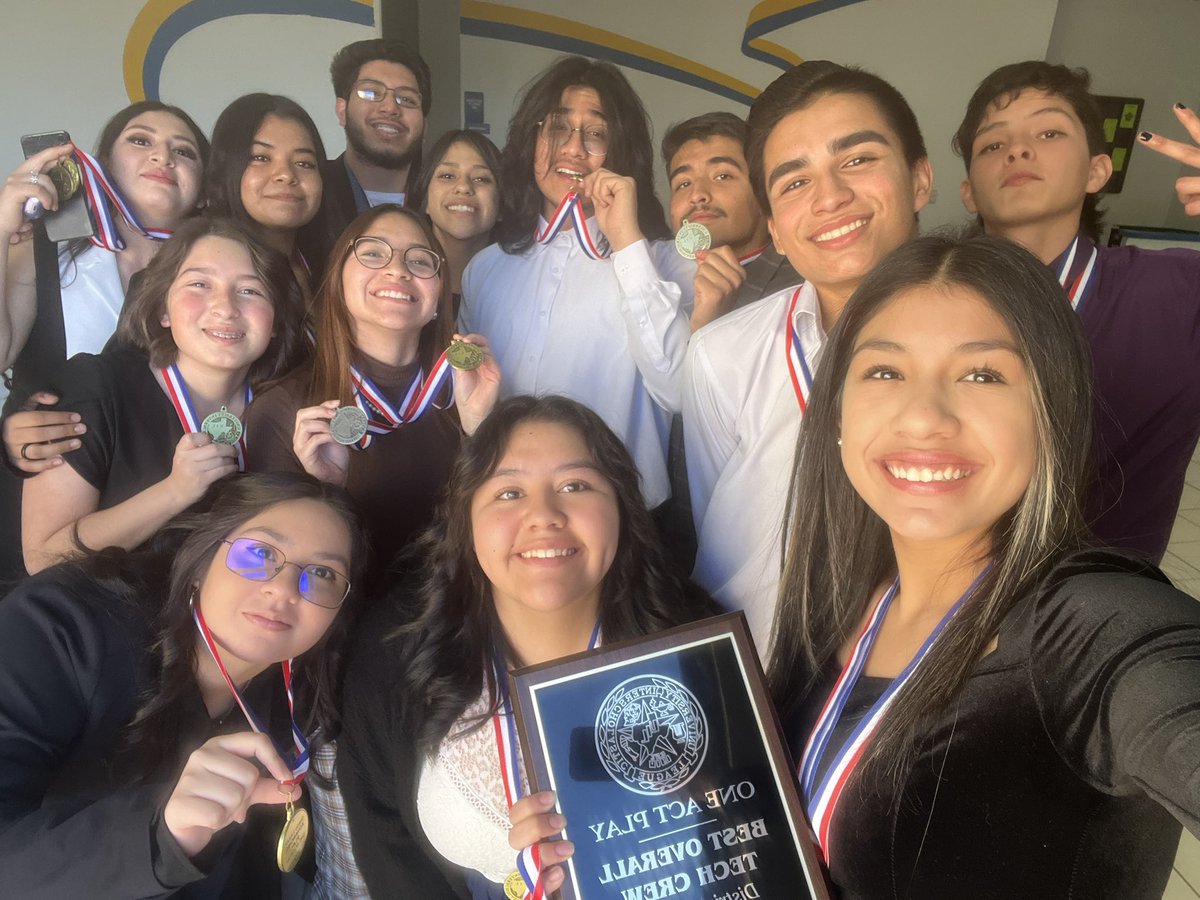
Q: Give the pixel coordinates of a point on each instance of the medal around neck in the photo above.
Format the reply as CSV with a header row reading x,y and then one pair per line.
x,y
464,356
691,238
292,839
222,426
348,425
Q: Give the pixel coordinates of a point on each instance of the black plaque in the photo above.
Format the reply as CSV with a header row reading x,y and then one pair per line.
x,y
668,763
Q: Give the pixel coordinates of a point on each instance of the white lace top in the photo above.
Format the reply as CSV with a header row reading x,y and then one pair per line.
x,y
461,802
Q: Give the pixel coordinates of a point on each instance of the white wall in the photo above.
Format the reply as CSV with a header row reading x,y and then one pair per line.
x,y
1148,50
61,67
934,51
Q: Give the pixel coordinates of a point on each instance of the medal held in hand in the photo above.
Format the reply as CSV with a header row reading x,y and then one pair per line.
x,y
222,426
691,238
293,838
348,425
464,356
67,178
514,886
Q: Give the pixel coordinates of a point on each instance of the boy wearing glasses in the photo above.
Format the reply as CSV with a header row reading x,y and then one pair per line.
x,y
383,95
581,296
1032,140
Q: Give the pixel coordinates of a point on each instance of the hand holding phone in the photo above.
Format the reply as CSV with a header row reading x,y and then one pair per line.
x,y
65,218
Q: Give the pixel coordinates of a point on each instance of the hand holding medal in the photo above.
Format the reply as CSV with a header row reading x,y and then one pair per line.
x,y
221,780
322,437
476,379
534,822
614,198
198,462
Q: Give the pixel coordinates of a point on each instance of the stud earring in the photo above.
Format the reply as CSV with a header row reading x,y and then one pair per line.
x,y
839,442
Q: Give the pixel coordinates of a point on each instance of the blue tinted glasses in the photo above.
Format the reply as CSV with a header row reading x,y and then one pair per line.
x,y
257,560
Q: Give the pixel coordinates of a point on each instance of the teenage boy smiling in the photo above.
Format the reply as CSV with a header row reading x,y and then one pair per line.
x,y
1033,143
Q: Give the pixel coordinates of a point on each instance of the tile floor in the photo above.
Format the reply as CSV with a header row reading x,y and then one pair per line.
x,y
1182,564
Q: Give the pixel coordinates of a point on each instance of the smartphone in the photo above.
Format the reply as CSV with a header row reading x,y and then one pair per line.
x,y
71,220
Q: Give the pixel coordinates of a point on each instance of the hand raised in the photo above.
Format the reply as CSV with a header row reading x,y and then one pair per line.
x,y
1187,188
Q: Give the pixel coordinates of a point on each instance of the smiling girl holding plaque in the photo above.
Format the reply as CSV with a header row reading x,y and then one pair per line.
x,y
543,548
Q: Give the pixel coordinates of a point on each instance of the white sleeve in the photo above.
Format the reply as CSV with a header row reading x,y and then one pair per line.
x,y
709,427
656,304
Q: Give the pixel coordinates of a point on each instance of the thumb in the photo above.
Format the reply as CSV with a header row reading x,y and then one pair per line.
x,y
269,792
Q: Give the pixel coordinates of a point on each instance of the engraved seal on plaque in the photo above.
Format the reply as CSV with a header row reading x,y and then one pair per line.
x,y
651,734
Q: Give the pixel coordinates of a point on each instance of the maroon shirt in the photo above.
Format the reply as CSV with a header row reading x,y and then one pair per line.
x,y
1141,314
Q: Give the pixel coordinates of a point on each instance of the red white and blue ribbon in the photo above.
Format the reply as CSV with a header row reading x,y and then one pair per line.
x,y
798,367
1075,273
571,207
97,186
822,798
382,417
504,725
181,399
299,761
752,255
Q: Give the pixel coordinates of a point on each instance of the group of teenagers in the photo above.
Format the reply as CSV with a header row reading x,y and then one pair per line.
x,y
936,473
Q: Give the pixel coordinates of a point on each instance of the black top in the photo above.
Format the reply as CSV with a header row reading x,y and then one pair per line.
x,y
79,814
1058,771
395,482
132,428
341,201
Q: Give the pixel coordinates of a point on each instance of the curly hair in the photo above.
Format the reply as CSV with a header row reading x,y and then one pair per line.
x,y
629,149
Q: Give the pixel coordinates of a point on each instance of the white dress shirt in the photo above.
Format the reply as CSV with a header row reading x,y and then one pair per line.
x,y
741,420
610,333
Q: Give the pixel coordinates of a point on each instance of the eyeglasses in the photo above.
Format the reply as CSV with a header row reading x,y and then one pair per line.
x,y
376,91
556,130
257,560
374,253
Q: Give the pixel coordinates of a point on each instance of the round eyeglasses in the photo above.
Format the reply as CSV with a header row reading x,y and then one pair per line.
x,y
556,130
375,253
257,560
377,91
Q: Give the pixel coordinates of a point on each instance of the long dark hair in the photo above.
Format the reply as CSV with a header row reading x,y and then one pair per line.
x,y
140,323
629,149
456,631
233,137
108,138
334,350
159,580
488,152
839,551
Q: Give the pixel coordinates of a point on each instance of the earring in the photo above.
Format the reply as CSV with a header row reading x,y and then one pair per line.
x,y
839,442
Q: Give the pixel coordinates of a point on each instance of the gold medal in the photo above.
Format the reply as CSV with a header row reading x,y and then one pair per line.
x,y
222,426
691,238
514,886
465,356
293,839
67,178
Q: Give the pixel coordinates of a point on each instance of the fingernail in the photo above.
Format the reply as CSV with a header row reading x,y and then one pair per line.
x,y
75,417
74,445
1180,106
564,848
80,429
1145,136
558,821
546,799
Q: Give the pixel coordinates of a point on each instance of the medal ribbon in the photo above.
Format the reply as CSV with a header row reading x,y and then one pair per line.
x,y
822,802
382,417
504,725
1076,274
177,393
798,369
752,255
299,763
570,206
96,186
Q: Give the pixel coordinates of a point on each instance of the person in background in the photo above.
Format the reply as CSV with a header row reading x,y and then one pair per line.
x,y
582,296
266,160
1033,143
458,189
383,93
706,165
